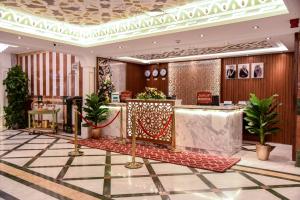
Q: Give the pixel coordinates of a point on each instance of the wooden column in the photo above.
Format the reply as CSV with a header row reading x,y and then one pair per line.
x,y
296,143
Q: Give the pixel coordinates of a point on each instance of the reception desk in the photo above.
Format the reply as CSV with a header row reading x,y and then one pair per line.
x,y
208,128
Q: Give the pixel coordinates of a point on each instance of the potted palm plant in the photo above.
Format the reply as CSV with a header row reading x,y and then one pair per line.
x,y
261,118
96,112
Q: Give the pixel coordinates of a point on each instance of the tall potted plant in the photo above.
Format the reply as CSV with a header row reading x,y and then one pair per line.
x,y
16,84
261,118
96,112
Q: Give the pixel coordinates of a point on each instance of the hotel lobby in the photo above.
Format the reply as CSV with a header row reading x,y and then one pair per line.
x,y
150,99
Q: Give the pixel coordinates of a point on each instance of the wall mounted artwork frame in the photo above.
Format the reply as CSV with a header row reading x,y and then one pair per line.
x,y
257,70
230,71
244,71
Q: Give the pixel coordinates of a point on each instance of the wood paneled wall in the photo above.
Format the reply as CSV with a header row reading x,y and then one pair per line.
x,y
135,79
159,83
278,78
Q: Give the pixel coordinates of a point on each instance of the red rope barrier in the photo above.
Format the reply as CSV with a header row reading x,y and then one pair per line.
x,y
94,126
161,132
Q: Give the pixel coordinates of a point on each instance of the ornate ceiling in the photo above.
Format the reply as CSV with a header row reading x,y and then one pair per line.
x,y
194,14
204,51
91,12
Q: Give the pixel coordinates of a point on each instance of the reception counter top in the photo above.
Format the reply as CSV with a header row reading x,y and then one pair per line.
x,y
209,128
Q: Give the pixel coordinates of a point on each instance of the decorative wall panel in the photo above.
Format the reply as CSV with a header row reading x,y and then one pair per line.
x,y
278,78
188,78
103,71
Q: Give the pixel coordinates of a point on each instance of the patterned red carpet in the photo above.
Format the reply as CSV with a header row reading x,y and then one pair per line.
x,y
186,158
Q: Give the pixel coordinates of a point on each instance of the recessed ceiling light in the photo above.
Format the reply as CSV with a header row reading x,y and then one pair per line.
x,y
154,42
19,37
201,35
268,38
255,27
120,47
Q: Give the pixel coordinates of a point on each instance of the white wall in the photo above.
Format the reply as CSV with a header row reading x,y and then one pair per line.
x,y
5,64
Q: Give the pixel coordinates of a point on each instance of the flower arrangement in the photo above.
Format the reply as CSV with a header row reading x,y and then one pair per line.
x,y
105,90
151,93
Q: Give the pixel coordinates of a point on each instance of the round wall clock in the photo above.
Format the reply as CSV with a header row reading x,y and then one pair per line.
x,y
163,72
155,73
147,73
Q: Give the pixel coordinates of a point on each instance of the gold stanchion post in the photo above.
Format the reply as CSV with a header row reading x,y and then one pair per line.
x,y
173,147
122,140
133,164
76,151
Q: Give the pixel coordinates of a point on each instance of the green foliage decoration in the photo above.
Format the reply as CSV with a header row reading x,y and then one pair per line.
x,y
151,93
95,109
261,116
16,84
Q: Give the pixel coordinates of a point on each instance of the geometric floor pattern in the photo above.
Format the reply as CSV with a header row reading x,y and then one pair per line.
x,y
101,175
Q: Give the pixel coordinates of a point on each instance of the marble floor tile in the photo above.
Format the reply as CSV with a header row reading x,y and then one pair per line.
x,y
41,140
258,194
62,146
20,141
155,197
57,152
229,180
122,159
90,151
21,191
132,185
17,161
266,180
22,136
33,146
8,146
84,172
121,170
50,161
292,193
94,185
62,141
23,153
167,168
89,160
49,171
195,196
182,182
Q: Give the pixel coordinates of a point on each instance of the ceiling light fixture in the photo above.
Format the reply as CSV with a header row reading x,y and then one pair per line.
x,y
202,35
255,27
154,42
278,48
268,38
19,37
120,47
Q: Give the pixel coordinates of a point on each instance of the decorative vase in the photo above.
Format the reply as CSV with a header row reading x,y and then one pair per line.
x,y
96,133
263,151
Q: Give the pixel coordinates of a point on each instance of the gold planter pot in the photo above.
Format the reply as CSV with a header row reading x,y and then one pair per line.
x,y
263,151
96,133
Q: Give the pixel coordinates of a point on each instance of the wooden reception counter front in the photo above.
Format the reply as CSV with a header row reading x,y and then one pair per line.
x,y
209,128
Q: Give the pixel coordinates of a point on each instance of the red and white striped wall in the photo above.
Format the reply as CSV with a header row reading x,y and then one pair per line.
x,y
50,74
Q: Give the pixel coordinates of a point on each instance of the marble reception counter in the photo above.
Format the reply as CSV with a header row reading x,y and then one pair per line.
x,y
210,128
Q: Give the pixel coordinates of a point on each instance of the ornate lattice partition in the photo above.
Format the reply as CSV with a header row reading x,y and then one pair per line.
x,y
154,120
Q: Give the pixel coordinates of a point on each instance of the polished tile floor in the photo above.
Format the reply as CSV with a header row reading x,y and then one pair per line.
x,y
38,167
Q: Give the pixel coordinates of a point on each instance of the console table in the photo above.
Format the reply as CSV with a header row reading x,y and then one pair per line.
x,y
32,113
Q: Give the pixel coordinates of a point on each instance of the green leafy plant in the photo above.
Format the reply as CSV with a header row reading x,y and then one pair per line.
x,y
151,93
95,109
261,116
16,84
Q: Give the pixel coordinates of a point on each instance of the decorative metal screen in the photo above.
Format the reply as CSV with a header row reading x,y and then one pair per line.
x,y
153,118
103,71
186,79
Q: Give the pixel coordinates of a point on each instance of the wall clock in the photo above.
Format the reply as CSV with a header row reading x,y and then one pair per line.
x,y
163,72
147,73
155,73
